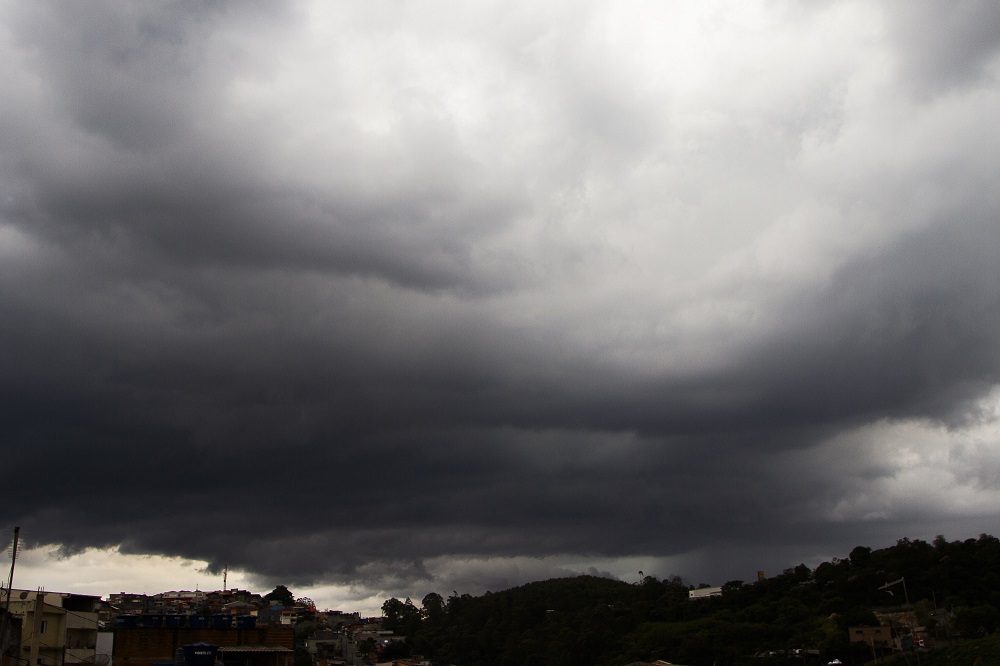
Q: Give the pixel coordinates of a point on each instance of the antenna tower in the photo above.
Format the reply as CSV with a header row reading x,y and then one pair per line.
x,y
10,588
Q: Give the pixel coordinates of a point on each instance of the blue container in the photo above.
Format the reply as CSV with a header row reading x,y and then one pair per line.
x,y
174,621
127,621
198,621
246,622
200,654
152,621
222,621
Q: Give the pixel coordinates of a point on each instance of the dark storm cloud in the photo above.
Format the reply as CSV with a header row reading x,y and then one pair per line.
x,y
143,159
905,332
343,342
942,47
139,77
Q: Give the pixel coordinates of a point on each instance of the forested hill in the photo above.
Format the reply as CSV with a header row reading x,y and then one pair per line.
x,y
954,589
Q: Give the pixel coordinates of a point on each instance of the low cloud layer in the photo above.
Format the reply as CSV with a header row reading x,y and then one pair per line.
x,y
397,298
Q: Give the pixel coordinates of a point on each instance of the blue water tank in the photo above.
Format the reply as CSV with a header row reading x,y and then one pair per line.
x,y
175,620
126,621
200,654
246,621
222,621
153,621
198,621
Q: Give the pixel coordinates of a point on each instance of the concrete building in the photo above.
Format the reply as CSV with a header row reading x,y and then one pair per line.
x,y
876,637
704,593
57,628
10,639
125,603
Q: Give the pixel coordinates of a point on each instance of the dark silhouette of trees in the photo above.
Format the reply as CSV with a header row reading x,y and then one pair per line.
x,y
282,595
596,621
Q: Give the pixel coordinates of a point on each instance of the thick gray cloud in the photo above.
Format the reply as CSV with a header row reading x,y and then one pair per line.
x,y
943,47
400,298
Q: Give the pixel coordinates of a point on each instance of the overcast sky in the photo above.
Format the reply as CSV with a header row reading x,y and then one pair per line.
x,y
384,298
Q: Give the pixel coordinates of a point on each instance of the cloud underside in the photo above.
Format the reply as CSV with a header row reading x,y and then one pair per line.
x,y
341,295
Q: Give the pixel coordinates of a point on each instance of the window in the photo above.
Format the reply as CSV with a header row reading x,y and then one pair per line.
x,y
45,624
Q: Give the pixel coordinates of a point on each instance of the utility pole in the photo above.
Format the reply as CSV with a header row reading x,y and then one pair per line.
x,y
10,587
897,582
906,596
36,628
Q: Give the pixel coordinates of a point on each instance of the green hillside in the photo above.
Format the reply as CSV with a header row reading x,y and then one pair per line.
x,y
798,617
974,652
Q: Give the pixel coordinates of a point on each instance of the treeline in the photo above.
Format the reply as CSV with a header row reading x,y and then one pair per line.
x,y
953,587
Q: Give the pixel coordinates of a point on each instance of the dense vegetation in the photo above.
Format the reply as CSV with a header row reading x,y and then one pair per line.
x,y
980,652
953,587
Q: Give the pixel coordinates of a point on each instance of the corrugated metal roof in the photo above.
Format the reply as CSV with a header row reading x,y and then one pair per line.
x,y
254,648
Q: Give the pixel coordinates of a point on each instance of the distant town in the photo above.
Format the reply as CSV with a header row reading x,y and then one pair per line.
x,y
238,627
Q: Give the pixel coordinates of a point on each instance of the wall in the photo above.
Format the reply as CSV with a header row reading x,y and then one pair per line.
x,y
144,646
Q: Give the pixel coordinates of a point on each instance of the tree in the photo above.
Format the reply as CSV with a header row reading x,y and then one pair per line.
x,y
978,620
860,555
304,629
282,595
395,650
365,648
400,616
434,607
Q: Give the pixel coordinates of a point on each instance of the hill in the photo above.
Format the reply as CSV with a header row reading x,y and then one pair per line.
x,y
800,616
